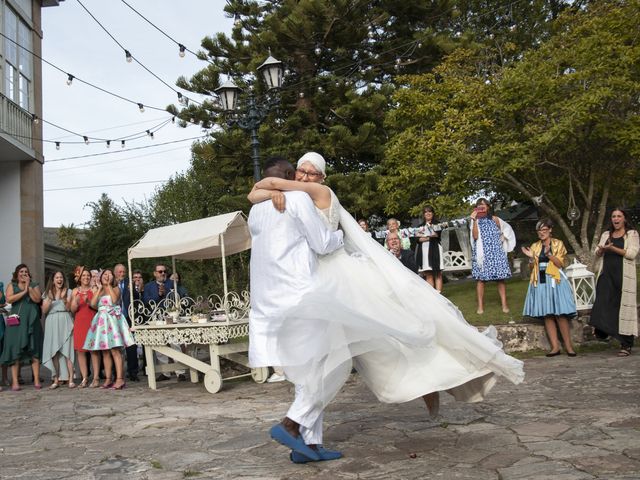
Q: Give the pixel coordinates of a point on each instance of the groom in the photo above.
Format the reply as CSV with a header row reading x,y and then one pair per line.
x,y
283,261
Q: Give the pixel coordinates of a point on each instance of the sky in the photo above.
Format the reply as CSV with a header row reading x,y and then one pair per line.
x,y
74,42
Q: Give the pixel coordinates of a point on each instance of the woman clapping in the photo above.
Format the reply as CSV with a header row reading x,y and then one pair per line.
x,y
23,341
549,295
109,331
58,331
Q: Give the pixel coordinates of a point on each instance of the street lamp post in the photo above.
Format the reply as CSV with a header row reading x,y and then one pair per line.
x,y
255,112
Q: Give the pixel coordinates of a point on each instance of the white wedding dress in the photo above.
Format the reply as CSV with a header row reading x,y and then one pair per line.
x,y
368,310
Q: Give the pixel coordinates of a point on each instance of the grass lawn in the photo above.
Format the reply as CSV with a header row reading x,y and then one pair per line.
x,y
463,294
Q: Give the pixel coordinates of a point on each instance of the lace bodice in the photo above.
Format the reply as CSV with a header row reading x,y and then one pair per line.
x,y
331,215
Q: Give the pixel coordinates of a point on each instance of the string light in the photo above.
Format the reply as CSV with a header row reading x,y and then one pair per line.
x,y
86,139
36,120
127,56
70,79
122,144
182,49
141,107
108,143
57,145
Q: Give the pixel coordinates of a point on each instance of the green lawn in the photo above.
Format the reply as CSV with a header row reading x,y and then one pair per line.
x,y
463,294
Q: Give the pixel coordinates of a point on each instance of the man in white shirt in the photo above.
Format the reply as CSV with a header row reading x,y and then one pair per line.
x,y
283,261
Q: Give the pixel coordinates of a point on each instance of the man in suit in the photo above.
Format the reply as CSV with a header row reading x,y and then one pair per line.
x,y
120,273
405,256
284,254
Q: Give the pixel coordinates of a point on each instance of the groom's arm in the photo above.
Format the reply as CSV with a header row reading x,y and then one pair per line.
x,y
320,238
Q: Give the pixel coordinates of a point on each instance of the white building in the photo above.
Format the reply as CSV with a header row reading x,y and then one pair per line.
x,y
21,159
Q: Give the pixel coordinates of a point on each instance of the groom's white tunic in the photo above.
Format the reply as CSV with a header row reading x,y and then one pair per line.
x,y
284,249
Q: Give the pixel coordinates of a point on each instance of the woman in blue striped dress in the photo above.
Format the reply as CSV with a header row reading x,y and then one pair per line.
x,y
550,295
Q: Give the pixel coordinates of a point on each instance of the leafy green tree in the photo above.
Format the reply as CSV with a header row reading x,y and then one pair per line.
x,y
110,232
563,119
343,58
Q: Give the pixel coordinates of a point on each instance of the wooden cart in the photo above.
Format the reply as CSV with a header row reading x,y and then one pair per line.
x,y
217,324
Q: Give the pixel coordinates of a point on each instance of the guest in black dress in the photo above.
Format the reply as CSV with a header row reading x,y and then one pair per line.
x,y
429,252
615,310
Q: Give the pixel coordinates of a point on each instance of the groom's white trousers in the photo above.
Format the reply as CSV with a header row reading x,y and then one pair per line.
x,y
307,408
308,412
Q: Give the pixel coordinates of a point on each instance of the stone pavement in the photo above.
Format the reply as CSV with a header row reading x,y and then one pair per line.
x,y
573,418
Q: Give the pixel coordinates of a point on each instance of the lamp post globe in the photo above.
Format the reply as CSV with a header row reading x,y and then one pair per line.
x,y
228,93
272,72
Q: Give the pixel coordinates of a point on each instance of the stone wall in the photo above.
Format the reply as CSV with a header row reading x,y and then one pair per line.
x,y
522,337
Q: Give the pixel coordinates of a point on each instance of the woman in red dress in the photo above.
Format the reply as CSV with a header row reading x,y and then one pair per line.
x,y
81,307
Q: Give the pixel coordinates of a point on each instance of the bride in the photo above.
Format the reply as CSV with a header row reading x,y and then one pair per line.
x,y
404,338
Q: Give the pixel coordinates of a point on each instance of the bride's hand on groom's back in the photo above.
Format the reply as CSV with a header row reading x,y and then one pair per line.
x,y
279,200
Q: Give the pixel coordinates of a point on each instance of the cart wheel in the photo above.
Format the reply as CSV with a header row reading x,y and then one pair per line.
x,y
212,381
260,375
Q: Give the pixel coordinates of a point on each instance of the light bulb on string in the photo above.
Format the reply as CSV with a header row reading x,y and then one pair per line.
x,y
318,50
151,135
181,52
173,119
86,139
122,144
57,145
36,120
236,20
108,143
141,107
127,56
70,79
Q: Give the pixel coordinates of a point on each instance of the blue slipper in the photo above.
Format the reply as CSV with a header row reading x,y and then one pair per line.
x,y
281,435
324,454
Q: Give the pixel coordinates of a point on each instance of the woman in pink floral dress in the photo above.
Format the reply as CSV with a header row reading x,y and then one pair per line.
x,y
109,331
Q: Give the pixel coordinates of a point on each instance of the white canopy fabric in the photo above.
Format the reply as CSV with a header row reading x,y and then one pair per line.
x,y
196,240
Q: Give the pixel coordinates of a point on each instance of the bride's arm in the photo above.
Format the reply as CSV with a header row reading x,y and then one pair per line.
x,y
320,194
258,195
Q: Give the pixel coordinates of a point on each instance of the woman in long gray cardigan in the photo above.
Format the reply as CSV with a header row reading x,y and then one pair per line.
x,y
615,311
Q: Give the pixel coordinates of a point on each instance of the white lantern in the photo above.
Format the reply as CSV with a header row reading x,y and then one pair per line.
x,y
228,93
583,283
272,71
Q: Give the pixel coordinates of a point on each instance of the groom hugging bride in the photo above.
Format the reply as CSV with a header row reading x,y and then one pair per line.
x,y
326,298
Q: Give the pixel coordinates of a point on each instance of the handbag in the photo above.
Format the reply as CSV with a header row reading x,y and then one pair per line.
x,y
13,320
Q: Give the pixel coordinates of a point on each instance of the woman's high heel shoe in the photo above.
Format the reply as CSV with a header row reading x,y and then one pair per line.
x,y
95,384
84,383
119,387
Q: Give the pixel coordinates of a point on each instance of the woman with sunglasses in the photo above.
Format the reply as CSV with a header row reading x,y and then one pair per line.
x,y
549,295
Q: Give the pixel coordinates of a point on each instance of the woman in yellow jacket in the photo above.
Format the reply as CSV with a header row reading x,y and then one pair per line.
x,y
549,295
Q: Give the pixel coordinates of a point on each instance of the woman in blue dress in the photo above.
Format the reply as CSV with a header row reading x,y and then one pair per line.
x,y
489,261
549,295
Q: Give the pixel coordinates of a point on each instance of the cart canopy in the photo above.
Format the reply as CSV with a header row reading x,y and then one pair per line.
x,y
196,240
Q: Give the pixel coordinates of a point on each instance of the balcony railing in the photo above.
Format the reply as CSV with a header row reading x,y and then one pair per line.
x,y
16,122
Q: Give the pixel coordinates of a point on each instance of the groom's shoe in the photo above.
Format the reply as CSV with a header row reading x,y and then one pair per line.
x,y
280,434
323,453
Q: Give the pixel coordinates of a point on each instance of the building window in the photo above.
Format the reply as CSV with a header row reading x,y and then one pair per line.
x,y
18,61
